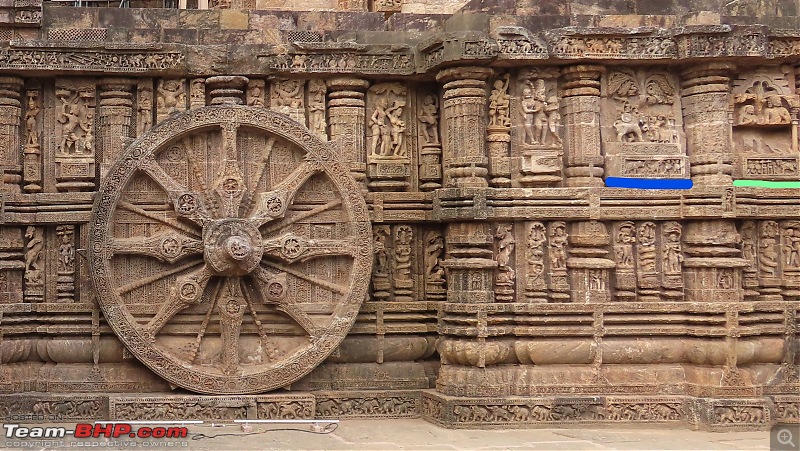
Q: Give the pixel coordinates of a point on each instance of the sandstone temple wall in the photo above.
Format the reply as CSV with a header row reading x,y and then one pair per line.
x,y
362,210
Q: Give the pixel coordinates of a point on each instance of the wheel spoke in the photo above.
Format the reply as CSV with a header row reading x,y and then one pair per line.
x,y
152,278
299,217
336,288
250,194
188,290
274,204
290,247
204,326
187,204
273,290
167,247
162,219
229,185
231,313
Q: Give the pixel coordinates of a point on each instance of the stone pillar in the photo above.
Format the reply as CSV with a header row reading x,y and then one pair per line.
x,y
464,126
583,153
469,263
589,265
705,92
32,171
10,146
713,267
115,123
347,116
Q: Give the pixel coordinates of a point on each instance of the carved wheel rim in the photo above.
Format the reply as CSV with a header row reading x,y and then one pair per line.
x,y
231,308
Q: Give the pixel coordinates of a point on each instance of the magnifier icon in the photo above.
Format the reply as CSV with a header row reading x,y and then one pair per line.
x,y
785,438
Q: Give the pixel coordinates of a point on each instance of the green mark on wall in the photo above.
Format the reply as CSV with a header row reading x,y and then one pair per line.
x,y
766,184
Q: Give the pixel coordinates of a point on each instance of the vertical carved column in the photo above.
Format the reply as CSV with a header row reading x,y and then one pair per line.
x,y
65,286
646,256
144,106
10,112
469,262
672,261
790,232
749,235
347,116
770,268
76,165
713,267
588,262
34,264
505,276
197,93
317,90
625,272
581,112
464,125
430,157
116,112
32,151
705,92
499,133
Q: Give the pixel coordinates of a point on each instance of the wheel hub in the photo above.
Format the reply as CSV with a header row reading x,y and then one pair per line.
x,y
232,246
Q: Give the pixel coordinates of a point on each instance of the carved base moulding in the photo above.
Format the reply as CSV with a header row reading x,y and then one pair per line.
x,y
670,411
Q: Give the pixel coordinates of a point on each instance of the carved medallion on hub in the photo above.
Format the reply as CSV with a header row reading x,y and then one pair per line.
x,y
233,247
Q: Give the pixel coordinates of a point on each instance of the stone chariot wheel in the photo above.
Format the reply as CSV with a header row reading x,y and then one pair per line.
x,y
230,250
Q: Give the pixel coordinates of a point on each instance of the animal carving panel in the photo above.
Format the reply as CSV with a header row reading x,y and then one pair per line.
x,y
231,251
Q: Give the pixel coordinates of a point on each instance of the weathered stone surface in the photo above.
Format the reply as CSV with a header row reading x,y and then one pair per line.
x,y
398,208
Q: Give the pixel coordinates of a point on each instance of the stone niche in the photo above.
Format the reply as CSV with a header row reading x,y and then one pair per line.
x,y
332,220
642,124
764,117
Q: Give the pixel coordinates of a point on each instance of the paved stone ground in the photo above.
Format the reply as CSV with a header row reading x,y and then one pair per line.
x,y
404,434
417,434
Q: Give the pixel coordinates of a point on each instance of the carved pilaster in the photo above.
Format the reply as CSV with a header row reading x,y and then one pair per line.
x,y
705,92
10,112
75,134
749,234
430,155
581,110
647,282
671,261
589,265
225,90
197,93
535,262
469,263
114,124
499,133
66,263
505,276
32,151
464,126
713,267
317,123
144,106
346,113
34,264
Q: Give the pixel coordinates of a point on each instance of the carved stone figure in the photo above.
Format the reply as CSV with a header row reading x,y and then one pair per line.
x,y
429,117
499,103
171,98
558,246
671,248
434,250
316,108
